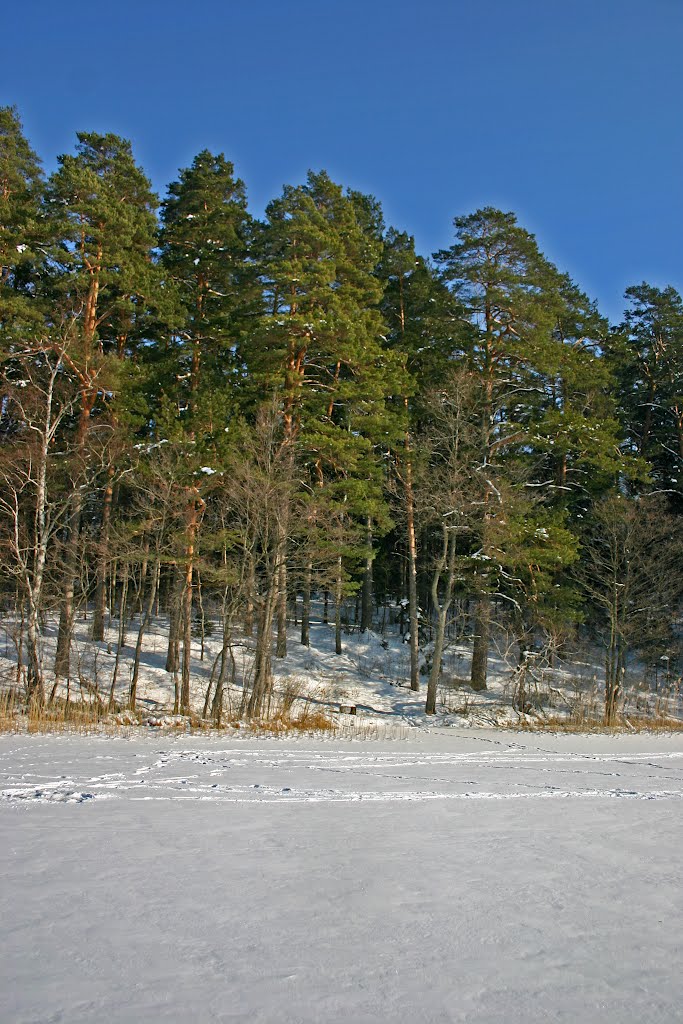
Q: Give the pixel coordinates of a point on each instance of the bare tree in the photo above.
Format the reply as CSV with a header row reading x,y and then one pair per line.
x,y
260,485
36,397
632,573
449,495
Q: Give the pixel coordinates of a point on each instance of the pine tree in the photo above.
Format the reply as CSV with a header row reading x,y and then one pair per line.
x,y
578,433
646,357
544,418
320,347
22,233
103,209
103,204
205,249
425,329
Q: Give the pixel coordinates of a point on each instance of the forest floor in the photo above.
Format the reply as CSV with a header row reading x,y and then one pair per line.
x,y
453,876
372,674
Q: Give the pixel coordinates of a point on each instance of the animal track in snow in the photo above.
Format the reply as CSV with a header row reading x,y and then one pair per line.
x,y
294,775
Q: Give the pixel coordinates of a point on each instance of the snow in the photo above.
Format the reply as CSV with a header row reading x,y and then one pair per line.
x,y
457,876
373,672
149,446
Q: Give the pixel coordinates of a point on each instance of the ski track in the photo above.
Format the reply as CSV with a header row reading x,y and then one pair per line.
x,y
510,771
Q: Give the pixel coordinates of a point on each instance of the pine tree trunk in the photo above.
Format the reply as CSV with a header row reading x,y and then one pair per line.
x,y
122,633
90,311
144,572
194,507
281,646
187,641
173,654
480,650
88,398
155,610
306,609
337,609
123,606
102,559
366,597
412,571
66,611
202,617
132,695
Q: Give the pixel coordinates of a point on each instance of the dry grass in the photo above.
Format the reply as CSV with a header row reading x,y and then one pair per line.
x,y
295,709
59,716
76,719
315,722
584,723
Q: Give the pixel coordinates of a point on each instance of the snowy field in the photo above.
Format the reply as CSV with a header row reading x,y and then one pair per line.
x,y
454,876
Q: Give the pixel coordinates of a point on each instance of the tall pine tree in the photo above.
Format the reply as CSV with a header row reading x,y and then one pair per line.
x,y
103,210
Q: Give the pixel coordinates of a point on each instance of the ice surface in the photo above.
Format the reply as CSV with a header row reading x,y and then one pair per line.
x,y
457,876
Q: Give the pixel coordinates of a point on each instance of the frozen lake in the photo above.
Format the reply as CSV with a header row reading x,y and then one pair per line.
x,y
479,876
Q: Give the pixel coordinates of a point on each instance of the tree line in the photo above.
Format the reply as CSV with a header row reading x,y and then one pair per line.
x,y
200,406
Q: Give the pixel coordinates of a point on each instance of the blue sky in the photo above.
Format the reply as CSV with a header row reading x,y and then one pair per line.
x,y
568,112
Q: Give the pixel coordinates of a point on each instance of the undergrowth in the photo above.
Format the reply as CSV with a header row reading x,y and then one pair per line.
x,y
592,724
57,716
290,712
295,709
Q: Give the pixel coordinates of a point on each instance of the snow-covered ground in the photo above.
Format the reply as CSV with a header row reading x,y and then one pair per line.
x,y
454,876
372,671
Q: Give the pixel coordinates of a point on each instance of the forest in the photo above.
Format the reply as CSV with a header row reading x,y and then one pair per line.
x,y
236,424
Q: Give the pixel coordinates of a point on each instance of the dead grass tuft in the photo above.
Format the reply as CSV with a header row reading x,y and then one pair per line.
x,y
58,716
295,708
593,724
314,722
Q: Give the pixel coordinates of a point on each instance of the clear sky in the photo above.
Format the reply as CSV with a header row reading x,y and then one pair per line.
x,y
569,112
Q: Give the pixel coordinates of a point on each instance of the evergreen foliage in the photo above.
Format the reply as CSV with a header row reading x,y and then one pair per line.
x,y
197,403
22,232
